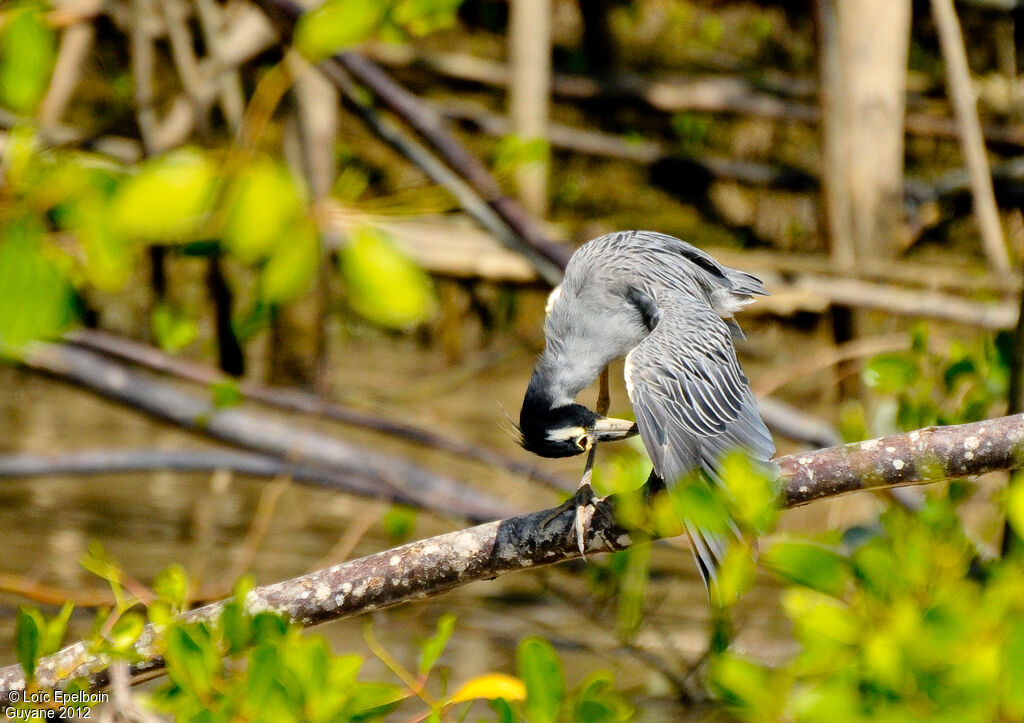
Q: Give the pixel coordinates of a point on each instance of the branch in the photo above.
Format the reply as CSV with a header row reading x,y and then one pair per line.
x,y
439,564
262,433
972,143
127,350
124,461
715,94
435,169
549,256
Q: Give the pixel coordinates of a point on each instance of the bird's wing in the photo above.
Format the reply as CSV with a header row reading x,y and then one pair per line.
x,y
693,403
691,399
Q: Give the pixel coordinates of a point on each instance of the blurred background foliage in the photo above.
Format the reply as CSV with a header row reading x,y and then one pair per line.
x,y
906,614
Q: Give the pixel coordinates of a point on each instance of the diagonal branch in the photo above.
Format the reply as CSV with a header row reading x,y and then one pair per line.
x,y
263,434
439,564
548,256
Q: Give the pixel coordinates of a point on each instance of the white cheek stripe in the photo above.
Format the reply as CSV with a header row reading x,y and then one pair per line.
x,y
564,433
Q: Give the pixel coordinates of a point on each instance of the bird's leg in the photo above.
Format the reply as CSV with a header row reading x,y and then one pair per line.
x,y
584,500
604,399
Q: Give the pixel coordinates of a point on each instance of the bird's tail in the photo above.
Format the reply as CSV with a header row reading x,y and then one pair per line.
x,y
709,551
745,284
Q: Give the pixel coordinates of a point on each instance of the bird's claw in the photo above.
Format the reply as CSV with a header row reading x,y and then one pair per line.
x,y
586,504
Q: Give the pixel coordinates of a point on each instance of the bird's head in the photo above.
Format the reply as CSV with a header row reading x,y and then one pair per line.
x,y
568,430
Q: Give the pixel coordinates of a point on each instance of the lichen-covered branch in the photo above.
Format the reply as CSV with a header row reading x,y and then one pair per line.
x,y
438,564
925,455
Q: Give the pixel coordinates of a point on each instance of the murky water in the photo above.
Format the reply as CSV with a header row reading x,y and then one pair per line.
x,y
148,521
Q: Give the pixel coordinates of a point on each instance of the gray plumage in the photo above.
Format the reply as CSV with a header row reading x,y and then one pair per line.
x,y
668,308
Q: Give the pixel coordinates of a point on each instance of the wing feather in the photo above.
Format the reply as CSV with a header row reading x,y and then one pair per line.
x,y
693,405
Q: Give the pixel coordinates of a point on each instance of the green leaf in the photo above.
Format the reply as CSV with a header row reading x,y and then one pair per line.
x,y
745,685
292,265
696,502
108,259
101,564
541,671
373,700
27,633
172,585
173,330
336,25
808,564
56,627
226,394
735,575
168,200
433,646
399,522
160,612
890,373
268,627
235,627
420,17
632,590
188,659
35,296
126,630
263,666
382,283
1015,506
263,203
752,492
878,569
27,53
503,710
1013,651
597,700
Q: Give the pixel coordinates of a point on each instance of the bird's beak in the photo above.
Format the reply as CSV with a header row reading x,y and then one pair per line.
x,y
609,429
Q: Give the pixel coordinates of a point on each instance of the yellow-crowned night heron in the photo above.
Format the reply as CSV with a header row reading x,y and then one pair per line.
x,y
668,308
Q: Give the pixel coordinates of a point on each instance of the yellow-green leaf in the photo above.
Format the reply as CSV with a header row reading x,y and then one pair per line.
x,y
263,202
291,267
168,200
490,686
1015,506
173,330
336,25
809,564
27,52
35,296
384,285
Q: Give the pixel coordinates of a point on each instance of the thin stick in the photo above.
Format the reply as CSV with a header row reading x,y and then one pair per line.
x,y
75,43
972,143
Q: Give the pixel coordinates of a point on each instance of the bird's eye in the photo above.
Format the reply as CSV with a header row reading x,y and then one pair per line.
x,y
582,441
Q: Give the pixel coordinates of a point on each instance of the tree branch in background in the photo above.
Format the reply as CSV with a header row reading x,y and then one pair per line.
x,y
261,433
718,94
127,350
548,256
464,193
439,564
125,461
972,143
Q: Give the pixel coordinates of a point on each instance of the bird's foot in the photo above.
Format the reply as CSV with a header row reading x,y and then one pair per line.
x,y
586,504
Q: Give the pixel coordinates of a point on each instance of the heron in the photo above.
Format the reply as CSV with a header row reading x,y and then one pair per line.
x,y
669,309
